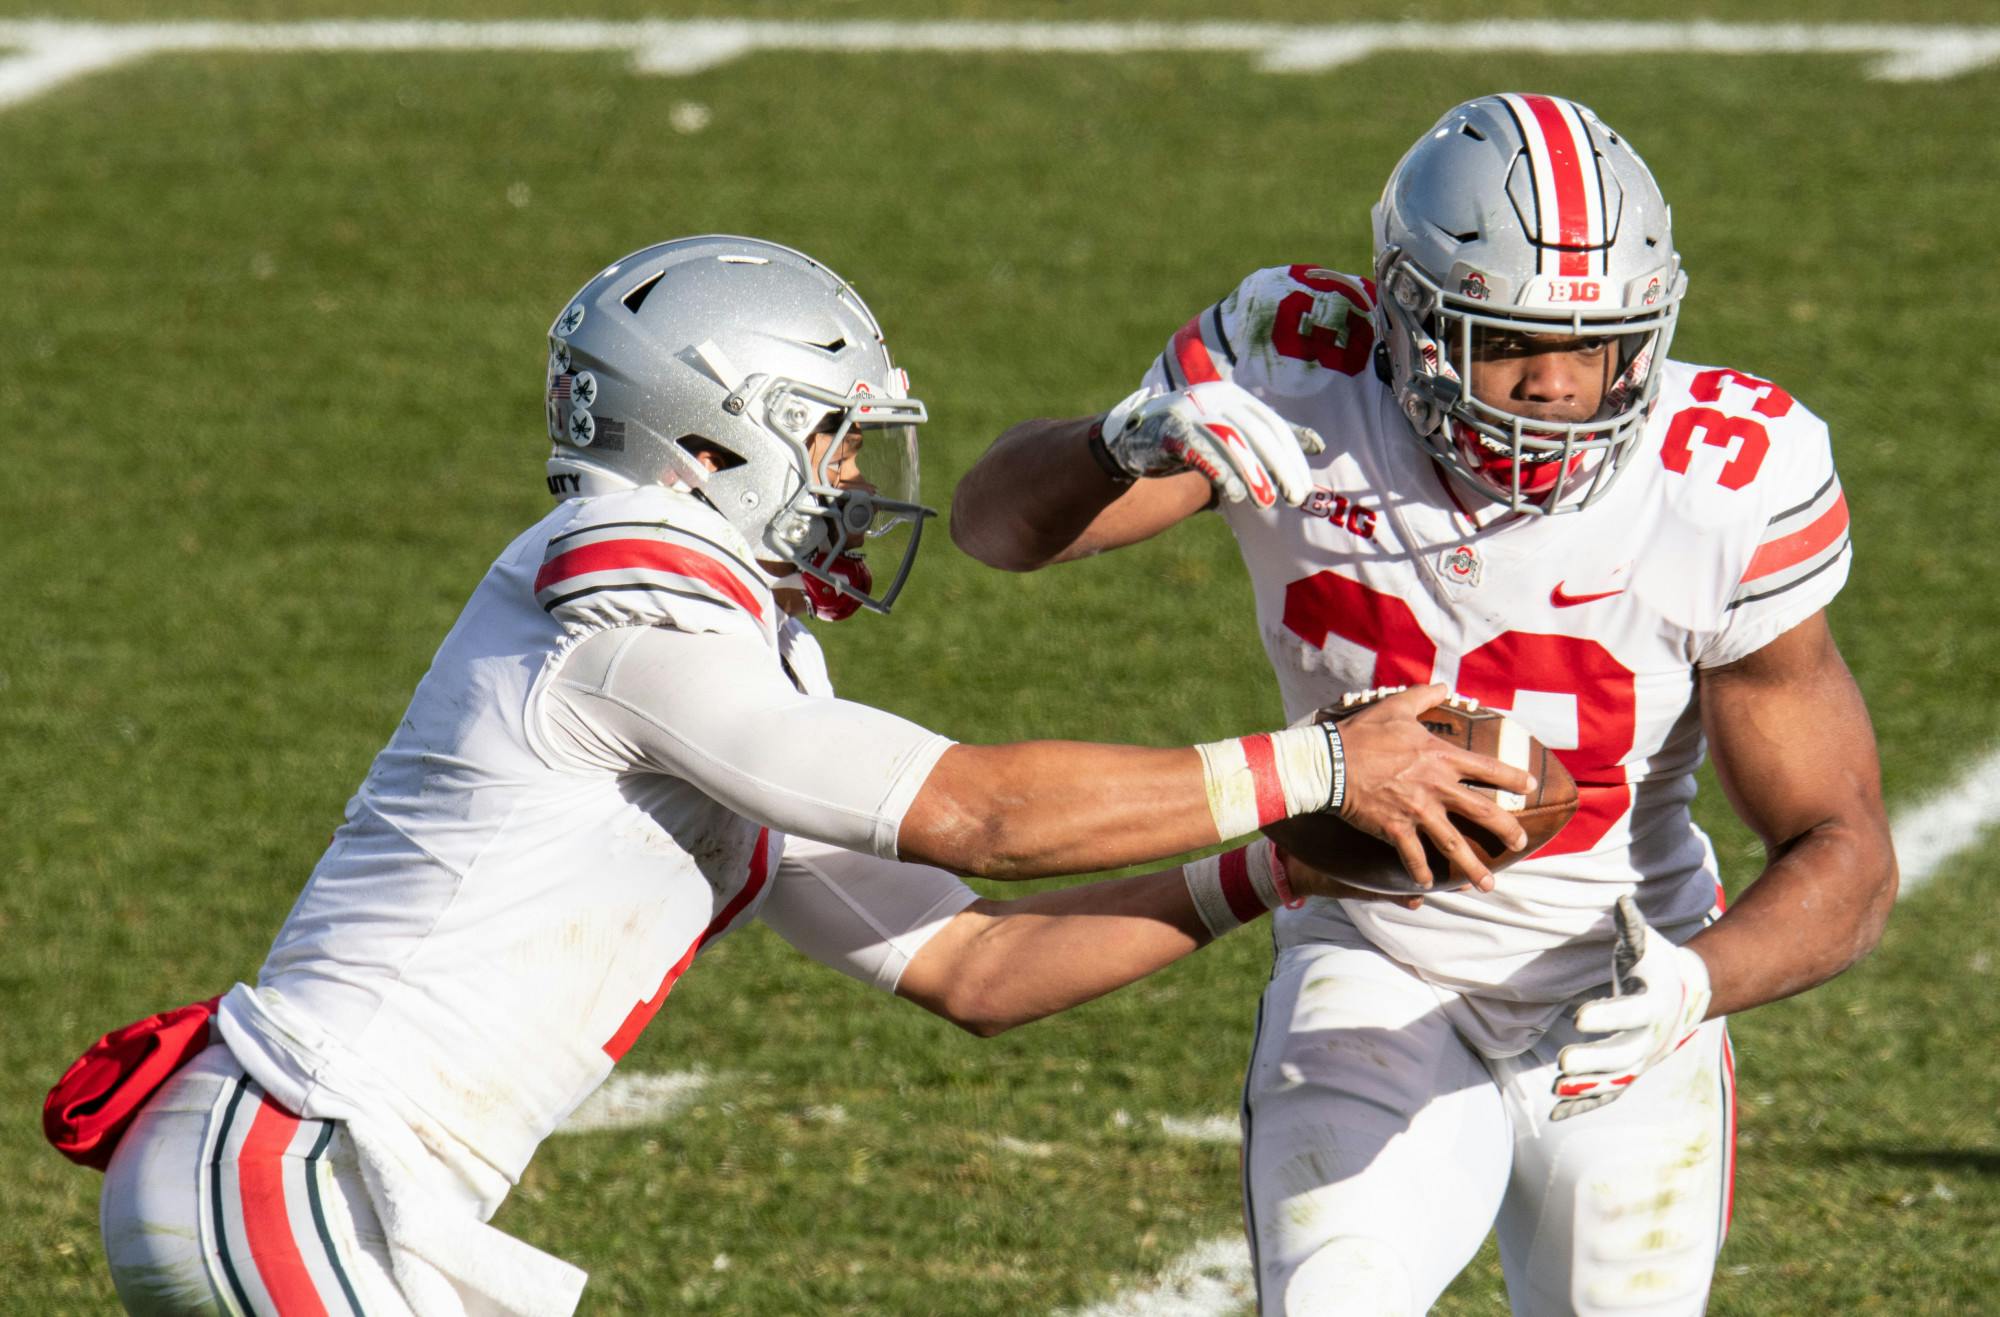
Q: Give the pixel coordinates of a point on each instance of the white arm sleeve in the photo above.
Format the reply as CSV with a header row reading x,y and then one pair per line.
x,y
865,916
716,710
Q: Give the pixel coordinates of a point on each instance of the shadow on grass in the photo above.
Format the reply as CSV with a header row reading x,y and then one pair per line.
x,y
1979,1161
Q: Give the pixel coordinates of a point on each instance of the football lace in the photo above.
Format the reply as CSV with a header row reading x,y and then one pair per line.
x,y
1355,699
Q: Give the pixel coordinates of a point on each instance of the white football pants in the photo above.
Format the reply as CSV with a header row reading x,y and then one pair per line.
x,y
220,1201
1379,1149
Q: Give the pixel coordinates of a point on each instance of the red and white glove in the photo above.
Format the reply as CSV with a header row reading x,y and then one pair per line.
x,y
1245,449
1659,997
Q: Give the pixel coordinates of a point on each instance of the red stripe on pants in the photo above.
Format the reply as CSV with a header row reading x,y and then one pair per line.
x,y
1729,1121
260,1177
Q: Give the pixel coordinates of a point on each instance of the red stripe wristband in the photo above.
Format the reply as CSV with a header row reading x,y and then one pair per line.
x,y
1253,781
1233,888
1262,761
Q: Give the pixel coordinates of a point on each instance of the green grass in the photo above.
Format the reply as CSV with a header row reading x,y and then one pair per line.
x,y
275,328
1183,11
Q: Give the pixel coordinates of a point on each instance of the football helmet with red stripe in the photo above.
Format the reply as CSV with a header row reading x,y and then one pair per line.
x,y
768,365
1523,218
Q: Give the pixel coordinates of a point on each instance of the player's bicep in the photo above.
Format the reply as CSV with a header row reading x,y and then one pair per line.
x,y
1790,736
865,916
717,711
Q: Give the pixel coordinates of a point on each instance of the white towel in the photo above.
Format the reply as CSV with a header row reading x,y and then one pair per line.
x,y
446,1260
447,1263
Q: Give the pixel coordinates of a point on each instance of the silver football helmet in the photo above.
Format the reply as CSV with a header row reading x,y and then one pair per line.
x,y
1517,217
769,363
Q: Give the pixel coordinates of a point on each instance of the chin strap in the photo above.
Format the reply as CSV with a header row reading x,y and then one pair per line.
x,y
827,602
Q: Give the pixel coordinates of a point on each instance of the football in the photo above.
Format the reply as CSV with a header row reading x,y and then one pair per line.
x,y
1332,845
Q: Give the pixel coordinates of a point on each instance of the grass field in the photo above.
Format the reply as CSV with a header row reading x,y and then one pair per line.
x,y
276,325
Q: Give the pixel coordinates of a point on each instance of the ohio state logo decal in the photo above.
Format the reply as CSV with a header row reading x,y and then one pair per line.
x,y
1461,566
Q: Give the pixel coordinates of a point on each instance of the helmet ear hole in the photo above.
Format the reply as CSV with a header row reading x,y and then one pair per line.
x,y
718,457
637,297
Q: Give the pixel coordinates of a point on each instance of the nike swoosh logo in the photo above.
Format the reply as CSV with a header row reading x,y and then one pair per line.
x,y
1561,600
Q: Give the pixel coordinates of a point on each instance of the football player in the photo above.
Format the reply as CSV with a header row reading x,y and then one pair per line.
x,y
627,746
1479,466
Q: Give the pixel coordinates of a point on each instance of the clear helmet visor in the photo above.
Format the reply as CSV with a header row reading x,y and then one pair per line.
x,y
862,458
875,459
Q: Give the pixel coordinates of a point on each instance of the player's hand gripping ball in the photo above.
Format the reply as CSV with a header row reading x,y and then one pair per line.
x,y
1336,847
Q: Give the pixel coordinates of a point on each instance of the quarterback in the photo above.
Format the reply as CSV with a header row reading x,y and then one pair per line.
x,y
625,747
1480,467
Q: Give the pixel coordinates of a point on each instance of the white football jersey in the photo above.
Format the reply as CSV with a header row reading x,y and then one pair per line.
x,y
1727,529
499,916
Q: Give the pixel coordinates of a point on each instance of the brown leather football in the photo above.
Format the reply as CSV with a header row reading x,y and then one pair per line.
x,y
1332,845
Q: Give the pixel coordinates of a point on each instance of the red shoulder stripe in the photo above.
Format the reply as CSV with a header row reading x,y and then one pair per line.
x,y
1791,550
1192,355
648,555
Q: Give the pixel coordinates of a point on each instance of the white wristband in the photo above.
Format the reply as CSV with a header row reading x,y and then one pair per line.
x,y
1256,780
1233,888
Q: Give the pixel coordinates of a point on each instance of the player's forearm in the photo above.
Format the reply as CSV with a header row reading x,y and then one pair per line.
x,y
1040,808
1817,909
1004,963
1031,496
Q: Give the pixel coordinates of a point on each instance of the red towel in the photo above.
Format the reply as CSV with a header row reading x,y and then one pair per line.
x,y
87,1111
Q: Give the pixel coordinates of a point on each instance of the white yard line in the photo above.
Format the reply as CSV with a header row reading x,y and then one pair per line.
x,y
1950,822
1210,1278
1203,1129
1214,1278
49,53
1902,53
44,64
631,1101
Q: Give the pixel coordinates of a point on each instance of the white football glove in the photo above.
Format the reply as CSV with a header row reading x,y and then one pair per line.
x,y
1659,997
1219,429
